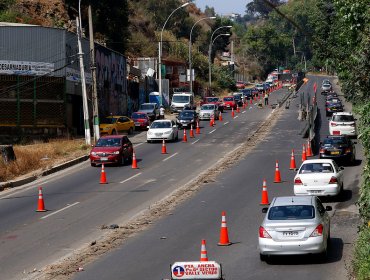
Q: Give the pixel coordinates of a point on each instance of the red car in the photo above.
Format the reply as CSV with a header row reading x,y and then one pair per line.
x,y
141,120
213,100
111,149
229,102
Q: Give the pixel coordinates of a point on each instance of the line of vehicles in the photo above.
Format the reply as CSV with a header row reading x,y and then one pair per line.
x,y
300,224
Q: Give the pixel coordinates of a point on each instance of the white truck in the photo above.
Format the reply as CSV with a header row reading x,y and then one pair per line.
x,y
180,100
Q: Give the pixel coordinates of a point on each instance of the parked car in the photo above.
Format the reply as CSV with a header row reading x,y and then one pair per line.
x,y
321,177
151,109
248,93
116,124
325,88
333,106
332,99
343,123
295,226
331,94
141,120
113,149
240,84
229,102
238,96
162,129
260,87
187,118
207,111
338,147
213,100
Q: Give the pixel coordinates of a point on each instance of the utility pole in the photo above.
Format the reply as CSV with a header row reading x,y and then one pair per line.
x,y
93,76
83,86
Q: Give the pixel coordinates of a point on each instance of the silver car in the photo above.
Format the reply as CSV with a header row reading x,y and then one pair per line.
x,y
207,111
294,226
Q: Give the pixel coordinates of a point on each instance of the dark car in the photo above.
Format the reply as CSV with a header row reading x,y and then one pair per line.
x,y
141,120
338,147
238,96
333,106
187,118
248,93
112,149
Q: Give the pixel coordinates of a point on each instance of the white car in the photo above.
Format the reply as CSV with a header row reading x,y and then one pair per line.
x,y
162,129
294,225
320,177
343,123
207,111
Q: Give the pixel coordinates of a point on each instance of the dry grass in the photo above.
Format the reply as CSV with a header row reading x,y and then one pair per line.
x,y
37,157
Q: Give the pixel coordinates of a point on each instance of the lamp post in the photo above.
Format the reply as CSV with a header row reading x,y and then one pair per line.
x,y
190,62
210,50
160,51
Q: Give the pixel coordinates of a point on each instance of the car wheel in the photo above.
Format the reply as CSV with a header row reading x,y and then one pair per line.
x,y
177,136
123,160
263,258
114,132
148,141
131,130
93,164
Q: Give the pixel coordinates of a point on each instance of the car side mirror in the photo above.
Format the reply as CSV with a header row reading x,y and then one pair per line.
x,y
264,210
328,208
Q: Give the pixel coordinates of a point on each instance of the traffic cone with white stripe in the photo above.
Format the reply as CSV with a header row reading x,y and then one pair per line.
x,y
309,150
164,149
191,131
304,156
185,138
220,117
197,130
103,176
211,122
277,173
203,252
265,198
224,236
40,204
134,162
232,112
293,166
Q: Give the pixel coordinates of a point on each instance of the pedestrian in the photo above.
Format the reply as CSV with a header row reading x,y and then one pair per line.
x,y
161,112
266,97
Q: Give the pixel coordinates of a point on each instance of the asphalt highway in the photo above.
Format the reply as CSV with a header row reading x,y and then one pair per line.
x,y
177,237
78,206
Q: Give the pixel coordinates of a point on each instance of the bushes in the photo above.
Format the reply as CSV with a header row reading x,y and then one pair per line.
x,y
361,262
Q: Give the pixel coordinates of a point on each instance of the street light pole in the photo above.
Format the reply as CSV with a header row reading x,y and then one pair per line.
x,y
160,51
190,62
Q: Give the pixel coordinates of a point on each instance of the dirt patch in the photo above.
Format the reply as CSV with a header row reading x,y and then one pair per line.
x,y
115,237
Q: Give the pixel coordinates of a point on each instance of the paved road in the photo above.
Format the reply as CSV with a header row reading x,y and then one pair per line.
x,y
78,205
237,191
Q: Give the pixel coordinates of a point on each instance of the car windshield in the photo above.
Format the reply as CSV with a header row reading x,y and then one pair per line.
x,y
237,96
146,107
316,168
108,142
228,98
212,99
138,116
291,212
334,141
343,118
108,120
180,98
186,114
161,125
207,107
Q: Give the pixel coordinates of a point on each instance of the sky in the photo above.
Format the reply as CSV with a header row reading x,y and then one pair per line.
x,y
224,6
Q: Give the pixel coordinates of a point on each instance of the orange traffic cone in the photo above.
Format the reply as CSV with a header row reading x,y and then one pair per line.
x,y
197,130
293,166
103,176
211,121
220,117
191,131
40,204
185,139
309,150
203,252
265,198
251,100
232,112
237,109
277,173
224,236
134,162
164,149
304,156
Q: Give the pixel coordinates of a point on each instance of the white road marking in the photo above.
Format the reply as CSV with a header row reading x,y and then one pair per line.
x,y
236,117
226,123
60,210
132,177
212,131
137,145
195,141
167,158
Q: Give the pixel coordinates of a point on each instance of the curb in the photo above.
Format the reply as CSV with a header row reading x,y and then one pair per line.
x,y
20,182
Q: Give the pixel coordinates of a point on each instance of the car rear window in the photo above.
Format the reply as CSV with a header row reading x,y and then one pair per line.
x,y
343,118
291,212
316,168
334,141
212,99
228,98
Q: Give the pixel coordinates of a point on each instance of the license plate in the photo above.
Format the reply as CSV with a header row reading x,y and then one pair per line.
x,y
290,233
137,124
103,158
315,191
335,153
